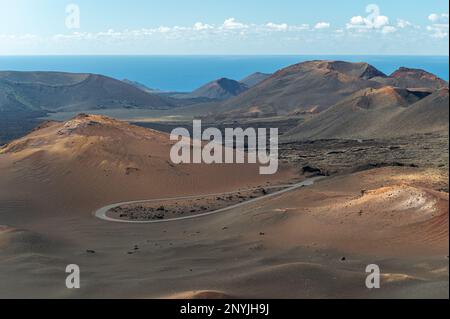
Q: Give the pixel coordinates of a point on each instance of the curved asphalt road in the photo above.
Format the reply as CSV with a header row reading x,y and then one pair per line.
x,y
102,212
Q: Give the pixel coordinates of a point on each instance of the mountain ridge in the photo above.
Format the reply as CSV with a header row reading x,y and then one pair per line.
x,y
220,89
255,78
314,86
73,92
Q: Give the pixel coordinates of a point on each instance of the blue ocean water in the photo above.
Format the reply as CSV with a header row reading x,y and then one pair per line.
x,y
185,73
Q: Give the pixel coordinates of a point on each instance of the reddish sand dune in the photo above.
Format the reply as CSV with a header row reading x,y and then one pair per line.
x,y
384,211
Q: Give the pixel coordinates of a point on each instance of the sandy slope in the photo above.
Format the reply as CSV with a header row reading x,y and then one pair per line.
x,y
378,113
96,159
287,246
376,209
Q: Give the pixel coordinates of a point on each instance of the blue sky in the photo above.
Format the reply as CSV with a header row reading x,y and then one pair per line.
x,y
224,27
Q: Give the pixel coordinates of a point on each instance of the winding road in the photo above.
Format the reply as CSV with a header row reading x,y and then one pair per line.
x,y
102,212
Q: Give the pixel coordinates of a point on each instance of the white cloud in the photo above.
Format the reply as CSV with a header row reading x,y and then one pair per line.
x,y
377,22
164,29
199,29
439,31
357,20
232,24
322,25
440,25
438,18
380,22
388,29
358,28
199,26
434,17
374,20
301,27
277,27
402,24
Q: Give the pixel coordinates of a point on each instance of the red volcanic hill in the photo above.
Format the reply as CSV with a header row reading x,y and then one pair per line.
x,y
315,86
416,78
96,158
306,87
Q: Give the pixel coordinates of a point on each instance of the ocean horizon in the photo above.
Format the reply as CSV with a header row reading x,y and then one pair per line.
x,y
185,73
